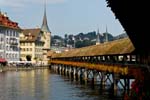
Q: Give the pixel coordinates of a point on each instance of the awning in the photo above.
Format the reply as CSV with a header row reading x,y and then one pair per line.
x,y
2,60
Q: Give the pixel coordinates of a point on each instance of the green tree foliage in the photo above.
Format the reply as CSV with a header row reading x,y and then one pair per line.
x,y
84,43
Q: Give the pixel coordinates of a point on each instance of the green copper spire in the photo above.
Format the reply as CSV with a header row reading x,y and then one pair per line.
x,y
44,26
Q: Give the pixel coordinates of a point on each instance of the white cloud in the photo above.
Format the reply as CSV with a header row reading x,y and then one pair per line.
x,y
23,3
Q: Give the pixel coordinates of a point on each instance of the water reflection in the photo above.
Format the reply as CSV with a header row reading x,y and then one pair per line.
x,y
24,85
40,84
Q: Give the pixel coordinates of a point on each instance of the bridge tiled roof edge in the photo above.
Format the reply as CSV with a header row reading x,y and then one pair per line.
x,y
121,46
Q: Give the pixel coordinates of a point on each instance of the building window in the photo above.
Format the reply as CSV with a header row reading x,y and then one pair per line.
x,y
16,56
1,46
22,44
17,48
1,55
7,55
10,32
1,39
7,48
7,40
14,48
7,33
17,35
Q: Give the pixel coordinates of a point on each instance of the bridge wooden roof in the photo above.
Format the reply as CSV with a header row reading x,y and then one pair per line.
x,y
122,46
134,20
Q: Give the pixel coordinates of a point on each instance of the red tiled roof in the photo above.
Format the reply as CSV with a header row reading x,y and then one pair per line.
x,y
6,22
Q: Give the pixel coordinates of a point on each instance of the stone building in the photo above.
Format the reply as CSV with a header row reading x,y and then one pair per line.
x,y
9,39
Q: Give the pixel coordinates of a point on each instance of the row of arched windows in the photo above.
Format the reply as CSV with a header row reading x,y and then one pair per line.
x,y
11,55
12,48
12,33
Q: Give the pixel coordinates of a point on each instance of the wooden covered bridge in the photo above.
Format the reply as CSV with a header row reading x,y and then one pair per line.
x,y
114,60
117,56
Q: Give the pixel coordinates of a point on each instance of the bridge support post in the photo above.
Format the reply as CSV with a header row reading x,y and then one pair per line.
x,y
64,70
127,85
85,76
81,76
94,78
60,69
67,71
115,82
102,84
71,72
75,73
55,68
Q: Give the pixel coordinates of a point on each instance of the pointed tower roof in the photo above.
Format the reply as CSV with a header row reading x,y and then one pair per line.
x,y
44,26
106,38
106,29
106,35
98,38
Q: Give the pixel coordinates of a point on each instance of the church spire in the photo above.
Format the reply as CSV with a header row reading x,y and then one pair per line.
x,y
44,26
106,36
98,38
106,29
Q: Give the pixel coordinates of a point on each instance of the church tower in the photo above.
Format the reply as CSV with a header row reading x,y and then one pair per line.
x,y
45,29
46,37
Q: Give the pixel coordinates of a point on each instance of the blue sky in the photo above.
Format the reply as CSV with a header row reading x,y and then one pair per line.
x,y
64,16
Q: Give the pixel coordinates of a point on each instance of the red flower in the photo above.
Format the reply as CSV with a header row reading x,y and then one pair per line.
x,y
137,90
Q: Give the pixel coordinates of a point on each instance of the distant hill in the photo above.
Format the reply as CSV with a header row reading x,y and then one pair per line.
x,y
124,35
82,39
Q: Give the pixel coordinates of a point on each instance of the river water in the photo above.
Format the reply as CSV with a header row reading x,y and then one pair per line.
x,y
42,84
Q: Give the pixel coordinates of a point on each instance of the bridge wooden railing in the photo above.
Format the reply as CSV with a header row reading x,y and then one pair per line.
x,y
127,64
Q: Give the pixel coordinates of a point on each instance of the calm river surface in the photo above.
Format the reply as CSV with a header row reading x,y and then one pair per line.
x,y
41,84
